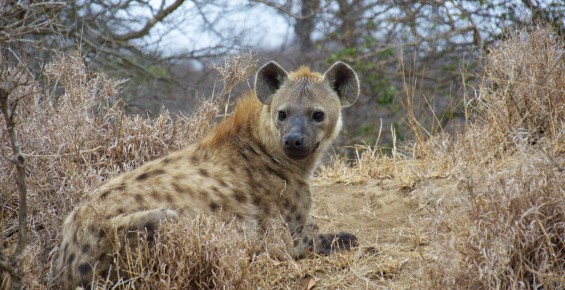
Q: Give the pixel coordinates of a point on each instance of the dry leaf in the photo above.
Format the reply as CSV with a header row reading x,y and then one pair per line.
x,y
310,283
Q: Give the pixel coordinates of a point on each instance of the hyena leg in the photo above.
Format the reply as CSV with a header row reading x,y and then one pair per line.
x,y
308,241
148,220
124,233
327,243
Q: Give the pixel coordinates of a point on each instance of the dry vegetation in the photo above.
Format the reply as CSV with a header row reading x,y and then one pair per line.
x,y
504,227
482,209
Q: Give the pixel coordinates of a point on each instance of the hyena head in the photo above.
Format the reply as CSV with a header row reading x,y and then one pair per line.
x,y
305,107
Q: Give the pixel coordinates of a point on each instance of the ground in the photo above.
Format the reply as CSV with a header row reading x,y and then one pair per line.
x,y
381,214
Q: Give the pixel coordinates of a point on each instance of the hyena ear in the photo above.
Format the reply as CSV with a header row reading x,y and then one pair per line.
x,y
343,79
268,80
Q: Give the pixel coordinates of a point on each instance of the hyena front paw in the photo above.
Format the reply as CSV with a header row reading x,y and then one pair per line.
x,y
329,243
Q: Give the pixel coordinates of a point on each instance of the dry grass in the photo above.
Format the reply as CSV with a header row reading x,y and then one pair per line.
x,y
505,225
489,203
75,136
502,222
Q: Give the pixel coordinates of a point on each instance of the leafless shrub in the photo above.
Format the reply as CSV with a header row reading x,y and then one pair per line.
x,y
525,94
504,226
11,266
234,70
73,138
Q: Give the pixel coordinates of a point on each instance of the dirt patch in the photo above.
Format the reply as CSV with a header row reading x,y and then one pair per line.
x,y
380,214
370,211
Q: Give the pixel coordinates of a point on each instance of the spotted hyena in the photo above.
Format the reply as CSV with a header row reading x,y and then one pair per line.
x,y
254,165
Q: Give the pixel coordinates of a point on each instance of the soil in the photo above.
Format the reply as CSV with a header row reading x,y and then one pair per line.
x,y
382,215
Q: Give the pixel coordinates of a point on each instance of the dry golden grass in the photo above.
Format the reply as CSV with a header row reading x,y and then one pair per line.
x,y
491,200
483,209
504,227
72,142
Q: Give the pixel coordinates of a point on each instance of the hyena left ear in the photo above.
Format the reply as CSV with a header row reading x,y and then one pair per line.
x,y
343,79
268,80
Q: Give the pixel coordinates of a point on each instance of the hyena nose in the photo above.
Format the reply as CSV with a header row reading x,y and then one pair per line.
x,y
294,141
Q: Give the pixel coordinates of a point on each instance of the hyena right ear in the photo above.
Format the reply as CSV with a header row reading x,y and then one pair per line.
x,y
268,80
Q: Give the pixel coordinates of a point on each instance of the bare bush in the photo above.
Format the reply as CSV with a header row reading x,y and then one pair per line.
x,y
525,93
504,226
74,138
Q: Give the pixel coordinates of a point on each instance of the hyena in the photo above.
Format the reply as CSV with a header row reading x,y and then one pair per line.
x,y
254,165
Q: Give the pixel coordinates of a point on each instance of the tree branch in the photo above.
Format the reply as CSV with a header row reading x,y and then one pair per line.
x,y
8,112
286,11
152,22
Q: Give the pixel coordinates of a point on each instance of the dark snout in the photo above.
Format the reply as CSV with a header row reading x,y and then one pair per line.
x,y
294,146
297,142
294,141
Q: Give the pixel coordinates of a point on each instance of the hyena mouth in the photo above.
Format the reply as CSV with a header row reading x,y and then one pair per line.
x,y
301,154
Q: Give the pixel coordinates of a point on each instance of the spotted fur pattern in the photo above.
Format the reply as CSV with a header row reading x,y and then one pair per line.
x,y
239,170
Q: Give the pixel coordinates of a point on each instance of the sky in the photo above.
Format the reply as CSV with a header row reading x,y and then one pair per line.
x,y
183,30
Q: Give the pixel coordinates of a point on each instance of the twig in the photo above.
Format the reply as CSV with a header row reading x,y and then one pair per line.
x,y
152,22
5,267
61,155
7,110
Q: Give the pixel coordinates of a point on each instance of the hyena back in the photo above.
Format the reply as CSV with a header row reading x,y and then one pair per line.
x,y
254,165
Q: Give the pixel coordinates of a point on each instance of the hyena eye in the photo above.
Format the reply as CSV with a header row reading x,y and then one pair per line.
x,y
318,116
282,115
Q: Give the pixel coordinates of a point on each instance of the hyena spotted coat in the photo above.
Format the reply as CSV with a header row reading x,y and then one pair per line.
x,y
254,165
